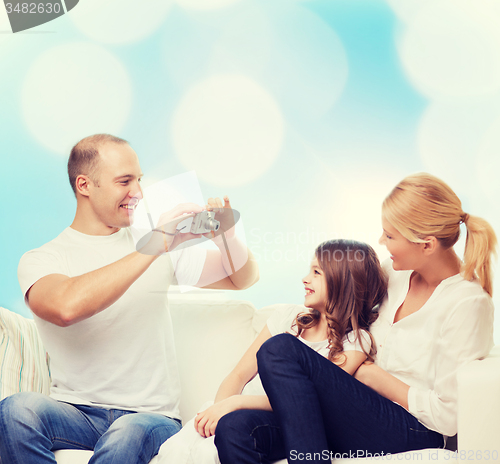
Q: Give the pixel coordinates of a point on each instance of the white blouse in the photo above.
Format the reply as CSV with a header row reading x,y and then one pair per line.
x,y
425,349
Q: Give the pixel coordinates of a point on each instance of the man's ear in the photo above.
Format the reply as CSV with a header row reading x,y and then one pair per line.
x,y
82,184
431,244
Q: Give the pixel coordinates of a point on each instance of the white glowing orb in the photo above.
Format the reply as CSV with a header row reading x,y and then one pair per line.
x,y
119,21
450,49
307,67
406,10
205,4
488,163
449,137
228,129
347,203
238,49
72,91
358,206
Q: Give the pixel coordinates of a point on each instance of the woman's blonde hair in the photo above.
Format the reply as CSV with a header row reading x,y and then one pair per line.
x,y
422,205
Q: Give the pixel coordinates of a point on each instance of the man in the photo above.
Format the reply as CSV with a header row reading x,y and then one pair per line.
x,y
101,310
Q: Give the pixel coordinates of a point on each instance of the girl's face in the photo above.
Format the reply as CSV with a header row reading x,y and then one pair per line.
x,y
315,286
404,254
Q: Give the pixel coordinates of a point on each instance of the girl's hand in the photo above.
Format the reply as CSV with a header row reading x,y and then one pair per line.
x,y
206,421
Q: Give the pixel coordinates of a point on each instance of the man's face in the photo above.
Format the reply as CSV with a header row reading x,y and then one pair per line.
x,y
117,191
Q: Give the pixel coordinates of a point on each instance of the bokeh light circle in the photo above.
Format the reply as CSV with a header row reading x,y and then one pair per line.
x,y
449,137
205,4
72,91
308,67
119,21
406,10
488,162
228,129
450,48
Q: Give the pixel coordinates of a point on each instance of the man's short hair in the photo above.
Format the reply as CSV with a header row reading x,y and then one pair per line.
x,y
84,157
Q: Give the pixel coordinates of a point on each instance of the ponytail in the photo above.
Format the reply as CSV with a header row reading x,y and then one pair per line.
x,y
422,205
480,246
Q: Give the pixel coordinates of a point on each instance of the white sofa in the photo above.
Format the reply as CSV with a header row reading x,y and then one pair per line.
x,y
211,336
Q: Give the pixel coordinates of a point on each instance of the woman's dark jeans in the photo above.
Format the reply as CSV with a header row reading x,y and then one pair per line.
x,y
319,411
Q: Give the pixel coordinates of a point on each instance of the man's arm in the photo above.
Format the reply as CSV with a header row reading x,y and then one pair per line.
x,y
233,266
64,300
217,272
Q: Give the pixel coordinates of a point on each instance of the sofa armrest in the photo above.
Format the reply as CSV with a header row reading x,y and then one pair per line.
x,y
479,408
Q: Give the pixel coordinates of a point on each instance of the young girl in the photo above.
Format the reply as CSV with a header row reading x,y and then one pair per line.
x,y
343,290
438,315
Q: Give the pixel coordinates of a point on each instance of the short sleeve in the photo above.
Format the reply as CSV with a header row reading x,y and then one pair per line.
x,y
36,264
353,343
188,264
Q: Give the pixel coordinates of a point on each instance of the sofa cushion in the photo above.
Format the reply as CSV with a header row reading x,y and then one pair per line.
x,y
210,338
23,361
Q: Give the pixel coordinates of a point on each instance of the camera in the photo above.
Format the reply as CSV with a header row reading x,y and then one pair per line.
x,y
204,222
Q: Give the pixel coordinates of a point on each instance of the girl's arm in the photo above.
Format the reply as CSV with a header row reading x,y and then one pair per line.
x,y
352,351
228,397
375,377
354,359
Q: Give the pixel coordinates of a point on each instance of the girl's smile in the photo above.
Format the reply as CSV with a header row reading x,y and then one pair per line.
x,y
315,287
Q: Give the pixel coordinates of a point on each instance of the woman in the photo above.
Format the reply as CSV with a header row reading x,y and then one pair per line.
x,y
437,316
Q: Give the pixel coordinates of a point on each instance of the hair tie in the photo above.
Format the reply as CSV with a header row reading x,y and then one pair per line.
x,y
464,218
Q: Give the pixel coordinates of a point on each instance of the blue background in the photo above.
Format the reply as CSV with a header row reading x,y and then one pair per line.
x,y
306,113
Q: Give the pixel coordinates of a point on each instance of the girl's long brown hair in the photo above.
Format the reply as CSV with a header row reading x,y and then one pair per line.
x,y
356,286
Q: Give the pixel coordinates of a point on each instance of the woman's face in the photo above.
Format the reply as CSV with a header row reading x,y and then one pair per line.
x,y
405,255
315,287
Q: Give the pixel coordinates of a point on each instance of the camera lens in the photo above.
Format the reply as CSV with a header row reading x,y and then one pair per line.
x,y
212,224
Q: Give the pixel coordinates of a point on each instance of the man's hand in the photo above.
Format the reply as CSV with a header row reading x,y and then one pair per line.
x,y
223,214
206,421
165,236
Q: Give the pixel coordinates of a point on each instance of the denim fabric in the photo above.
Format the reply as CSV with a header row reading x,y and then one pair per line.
x,y
33,425
248,436
317,408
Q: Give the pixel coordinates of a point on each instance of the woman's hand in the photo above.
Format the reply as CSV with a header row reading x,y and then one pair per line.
x,y
383,383
364,372
206,421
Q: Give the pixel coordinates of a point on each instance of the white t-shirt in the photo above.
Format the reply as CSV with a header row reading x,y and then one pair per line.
x,y
425,349
123,357
281,321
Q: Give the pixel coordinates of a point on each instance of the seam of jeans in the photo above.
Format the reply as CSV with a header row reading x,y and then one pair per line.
x,y
92,426
255,440
148,437
71,442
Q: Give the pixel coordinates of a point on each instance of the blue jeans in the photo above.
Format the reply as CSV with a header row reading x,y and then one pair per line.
x,y
317,408
33,425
